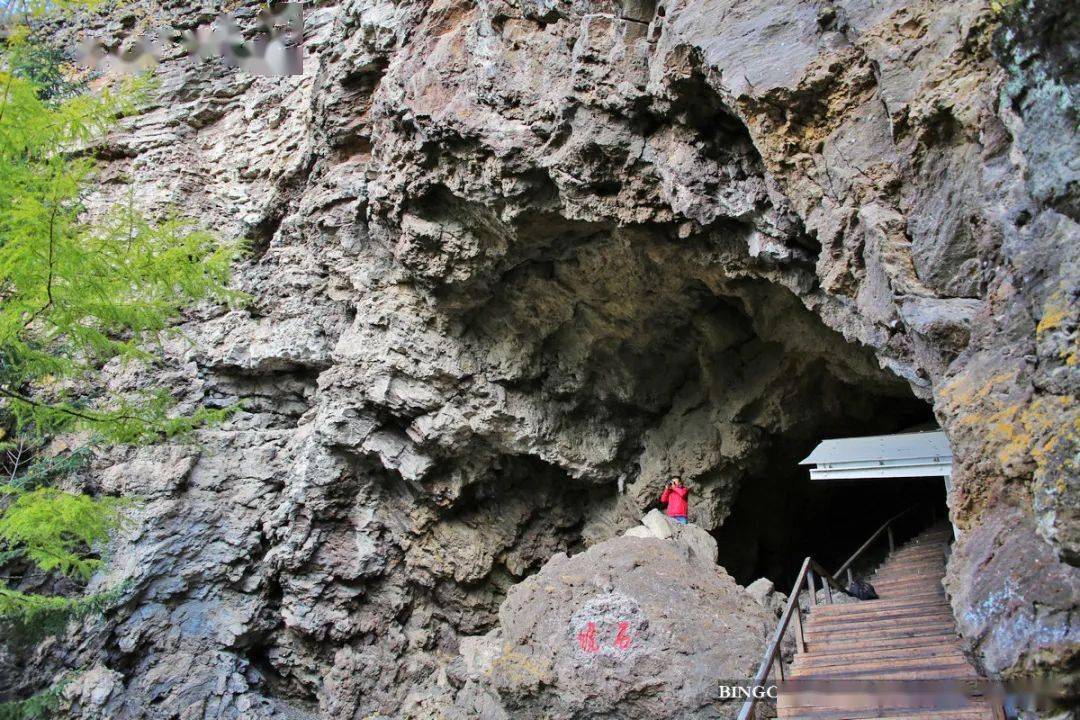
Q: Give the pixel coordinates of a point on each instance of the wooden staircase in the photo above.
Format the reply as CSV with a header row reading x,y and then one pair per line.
x,y
907,634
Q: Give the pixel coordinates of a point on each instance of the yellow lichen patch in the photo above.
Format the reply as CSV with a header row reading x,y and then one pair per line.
x,y
1034,430
1052,319
962,390
1055,312
1056,421
1008,432
518,667
1021,434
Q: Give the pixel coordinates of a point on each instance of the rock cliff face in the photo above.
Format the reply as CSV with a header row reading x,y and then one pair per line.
x,y
515,263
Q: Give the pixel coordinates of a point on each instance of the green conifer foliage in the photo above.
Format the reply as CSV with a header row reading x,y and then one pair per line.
x,y
77,289
76,294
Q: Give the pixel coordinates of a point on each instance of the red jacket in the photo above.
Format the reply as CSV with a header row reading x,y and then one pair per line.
x,y
676,500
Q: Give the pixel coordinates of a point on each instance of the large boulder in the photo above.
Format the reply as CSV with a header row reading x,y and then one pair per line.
x,y
631,628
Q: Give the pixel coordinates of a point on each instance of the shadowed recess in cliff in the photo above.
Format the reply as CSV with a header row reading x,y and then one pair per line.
x,y
780,516
515,518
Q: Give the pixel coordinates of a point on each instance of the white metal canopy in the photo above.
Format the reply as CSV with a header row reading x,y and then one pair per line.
x,y
912,454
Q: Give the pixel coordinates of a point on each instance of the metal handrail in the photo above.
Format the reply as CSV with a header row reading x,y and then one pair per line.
x,y
886,527
794,611
772,653
778,637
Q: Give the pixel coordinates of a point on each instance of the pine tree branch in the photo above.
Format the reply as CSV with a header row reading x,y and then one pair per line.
x,y
16,459
51,260
63,409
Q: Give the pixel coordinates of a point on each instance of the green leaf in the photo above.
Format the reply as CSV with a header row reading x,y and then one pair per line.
x,y
37,707
58,529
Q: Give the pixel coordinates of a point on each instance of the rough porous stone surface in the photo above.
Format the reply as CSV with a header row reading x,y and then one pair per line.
x,y
631,628
697,544
514,265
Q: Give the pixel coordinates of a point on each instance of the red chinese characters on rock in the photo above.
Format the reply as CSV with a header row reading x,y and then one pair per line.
x,y
586,639
622,639
588,642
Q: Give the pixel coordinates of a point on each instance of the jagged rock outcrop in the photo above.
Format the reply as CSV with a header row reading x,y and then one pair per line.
x,y
516,263
692,540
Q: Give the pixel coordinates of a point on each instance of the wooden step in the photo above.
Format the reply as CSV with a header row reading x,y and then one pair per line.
x,y
924,543
909,633
879,607
865,618
958,665
834,646
918,551
920,548
909,570
931,582
871,637
921,565
923,552
913,572
811,701
926,566
945,629
895,591
973,712
938,572
907,574
930,552
872,625
900,614
897,660
907,588
882,613
860,644
935,553
896,588
933,596
924,673
857,656
898,579
944,532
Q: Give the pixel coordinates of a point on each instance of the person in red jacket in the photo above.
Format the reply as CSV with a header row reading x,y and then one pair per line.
x,y
675,497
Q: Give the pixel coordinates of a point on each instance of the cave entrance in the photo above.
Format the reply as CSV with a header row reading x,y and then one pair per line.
x,y
854,484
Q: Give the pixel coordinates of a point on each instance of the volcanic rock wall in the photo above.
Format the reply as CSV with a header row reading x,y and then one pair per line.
x,y
513,264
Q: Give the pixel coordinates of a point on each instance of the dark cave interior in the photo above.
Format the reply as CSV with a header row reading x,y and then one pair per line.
x,y
781,515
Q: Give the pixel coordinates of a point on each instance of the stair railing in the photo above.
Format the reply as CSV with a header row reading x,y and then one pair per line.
x,y
793,612
887,528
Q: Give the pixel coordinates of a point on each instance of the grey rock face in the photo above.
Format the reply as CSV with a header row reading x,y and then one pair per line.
x,y
515,265
1000,582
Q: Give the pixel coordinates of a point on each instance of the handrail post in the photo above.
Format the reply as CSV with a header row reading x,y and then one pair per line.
x,y
780,667
827,589
810,587
885,527
850,578
774,648
800,639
